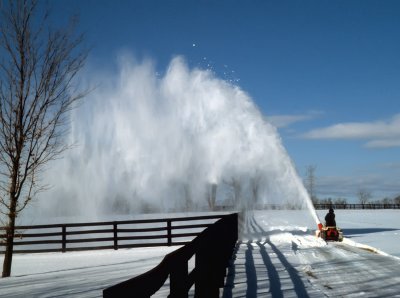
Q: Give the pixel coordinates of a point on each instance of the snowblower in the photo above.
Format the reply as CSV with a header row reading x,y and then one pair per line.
x,y
329,233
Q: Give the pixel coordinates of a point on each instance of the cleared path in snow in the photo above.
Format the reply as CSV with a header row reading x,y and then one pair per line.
x,y
279,263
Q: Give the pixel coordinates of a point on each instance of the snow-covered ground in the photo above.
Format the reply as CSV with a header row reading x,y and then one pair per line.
x,y
377,228
77,274
278,256
279,259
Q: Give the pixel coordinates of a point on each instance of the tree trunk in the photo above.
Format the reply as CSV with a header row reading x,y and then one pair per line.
x,y
9,240
11,222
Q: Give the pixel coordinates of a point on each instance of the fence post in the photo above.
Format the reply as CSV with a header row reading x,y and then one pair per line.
x,y
64,238
212,250
206,281
115,228
169,231
178,280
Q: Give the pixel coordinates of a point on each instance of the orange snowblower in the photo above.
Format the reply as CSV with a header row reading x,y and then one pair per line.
x,y
329,233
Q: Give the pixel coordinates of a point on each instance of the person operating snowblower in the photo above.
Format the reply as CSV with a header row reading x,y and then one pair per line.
x,y
330,232
330,218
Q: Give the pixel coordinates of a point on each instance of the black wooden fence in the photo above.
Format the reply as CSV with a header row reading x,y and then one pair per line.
x,y
212,249
108,235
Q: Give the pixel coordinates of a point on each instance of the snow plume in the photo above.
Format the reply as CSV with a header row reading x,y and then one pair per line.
x,y
146,142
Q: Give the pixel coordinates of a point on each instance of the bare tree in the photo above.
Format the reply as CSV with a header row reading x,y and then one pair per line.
x,y
212,195
255,185
363,196
326,201
235,188
387,201
310,182
37,68
340,202
188,201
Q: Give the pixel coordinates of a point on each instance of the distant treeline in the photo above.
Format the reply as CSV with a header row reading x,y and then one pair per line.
x,y
322,206
318,206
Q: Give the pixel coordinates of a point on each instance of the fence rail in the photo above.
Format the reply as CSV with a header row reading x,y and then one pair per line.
x,y
213,249
357,206
108,235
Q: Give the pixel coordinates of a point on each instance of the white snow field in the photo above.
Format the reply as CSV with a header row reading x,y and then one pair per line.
x,y
278,256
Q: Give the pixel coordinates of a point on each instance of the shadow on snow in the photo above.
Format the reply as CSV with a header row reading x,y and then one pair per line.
x,y
349,233
271,260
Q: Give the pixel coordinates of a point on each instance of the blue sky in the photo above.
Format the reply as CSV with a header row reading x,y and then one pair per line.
x,y
326,73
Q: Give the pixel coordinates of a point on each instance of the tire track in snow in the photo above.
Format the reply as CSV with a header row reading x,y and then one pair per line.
x,y
341,270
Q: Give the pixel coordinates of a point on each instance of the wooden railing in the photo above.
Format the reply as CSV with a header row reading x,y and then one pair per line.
x,y
212,249
108,235
357,206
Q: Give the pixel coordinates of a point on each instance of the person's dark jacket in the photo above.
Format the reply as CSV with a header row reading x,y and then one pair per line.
x,y
330,219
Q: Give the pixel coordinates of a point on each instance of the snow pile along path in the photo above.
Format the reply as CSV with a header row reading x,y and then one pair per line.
x,y
283,263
